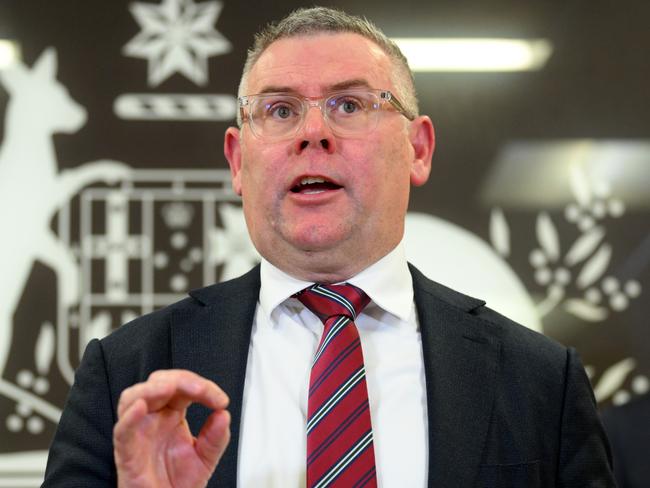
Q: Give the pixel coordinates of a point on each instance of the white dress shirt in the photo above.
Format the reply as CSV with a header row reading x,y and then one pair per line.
x,y
285,335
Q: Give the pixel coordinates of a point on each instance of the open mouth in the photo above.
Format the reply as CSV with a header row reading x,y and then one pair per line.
x,y
314,184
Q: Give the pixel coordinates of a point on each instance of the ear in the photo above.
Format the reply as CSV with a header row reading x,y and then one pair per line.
x,y
232,151
46,64
423,140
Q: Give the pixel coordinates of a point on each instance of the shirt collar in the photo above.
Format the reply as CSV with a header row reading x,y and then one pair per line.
x,y
387,282
276,287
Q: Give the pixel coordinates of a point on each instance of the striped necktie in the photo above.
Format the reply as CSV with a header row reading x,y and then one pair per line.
x,y
340,450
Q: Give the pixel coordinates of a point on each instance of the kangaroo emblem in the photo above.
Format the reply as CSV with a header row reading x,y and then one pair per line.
x,y
32,189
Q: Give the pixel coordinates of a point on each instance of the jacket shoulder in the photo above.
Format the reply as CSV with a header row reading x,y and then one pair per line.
x,y
151,332
515,337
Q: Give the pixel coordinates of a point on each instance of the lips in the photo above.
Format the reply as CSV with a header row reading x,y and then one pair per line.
x,y
313,184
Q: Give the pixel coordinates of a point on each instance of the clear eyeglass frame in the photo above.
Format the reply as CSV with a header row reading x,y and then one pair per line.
x,y
288,128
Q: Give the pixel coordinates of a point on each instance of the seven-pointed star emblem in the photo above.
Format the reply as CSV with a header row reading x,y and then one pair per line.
x,y
177,36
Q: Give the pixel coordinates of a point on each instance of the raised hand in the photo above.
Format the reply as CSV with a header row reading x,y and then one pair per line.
x,y
153,445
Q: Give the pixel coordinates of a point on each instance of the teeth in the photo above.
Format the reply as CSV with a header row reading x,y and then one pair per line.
x,y
311,179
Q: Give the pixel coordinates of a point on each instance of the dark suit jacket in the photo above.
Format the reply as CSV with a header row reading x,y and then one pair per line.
x,y
507,407
628,428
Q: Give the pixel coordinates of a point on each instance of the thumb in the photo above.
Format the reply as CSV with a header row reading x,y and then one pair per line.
x,y
213,438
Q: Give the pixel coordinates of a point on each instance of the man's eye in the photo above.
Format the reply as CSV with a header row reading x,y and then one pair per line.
x,y
281,111
349,106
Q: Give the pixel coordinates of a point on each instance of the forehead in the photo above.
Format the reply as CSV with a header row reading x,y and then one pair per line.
x,y
311,64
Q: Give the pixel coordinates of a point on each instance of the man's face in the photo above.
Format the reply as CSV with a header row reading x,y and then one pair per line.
x,y
327,232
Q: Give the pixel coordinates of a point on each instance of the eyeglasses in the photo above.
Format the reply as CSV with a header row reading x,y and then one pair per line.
x,y
277,116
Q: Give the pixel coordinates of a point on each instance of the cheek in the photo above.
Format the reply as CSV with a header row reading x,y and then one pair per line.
x,y
263,184
387,170
256,173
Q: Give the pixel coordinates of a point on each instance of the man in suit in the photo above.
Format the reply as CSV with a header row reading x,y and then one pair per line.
x,y
328,144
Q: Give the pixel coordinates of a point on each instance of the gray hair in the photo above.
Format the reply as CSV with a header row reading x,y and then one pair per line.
x,y
317,20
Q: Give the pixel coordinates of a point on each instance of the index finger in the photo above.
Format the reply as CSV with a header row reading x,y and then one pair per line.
x,y
175,389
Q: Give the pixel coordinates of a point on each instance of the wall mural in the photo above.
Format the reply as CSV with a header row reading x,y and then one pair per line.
x,y
89,245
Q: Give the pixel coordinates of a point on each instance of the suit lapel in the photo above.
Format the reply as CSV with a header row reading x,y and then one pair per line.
x,y
461,361
214,342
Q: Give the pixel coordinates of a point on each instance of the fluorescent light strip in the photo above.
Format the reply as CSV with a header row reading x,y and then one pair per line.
x,y
9,53
474,54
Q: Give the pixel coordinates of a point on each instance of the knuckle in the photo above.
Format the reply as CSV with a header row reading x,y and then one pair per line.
x,y
118,432
155,375
200,387
164,375
124,396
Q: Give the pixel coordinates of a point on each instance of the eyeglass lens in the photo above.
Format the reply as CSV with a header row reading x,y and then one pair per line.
x,y
276,115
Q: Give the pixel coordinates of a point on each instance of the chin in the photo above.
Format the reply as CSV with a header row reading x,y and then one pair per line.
x,y
317,238
313,246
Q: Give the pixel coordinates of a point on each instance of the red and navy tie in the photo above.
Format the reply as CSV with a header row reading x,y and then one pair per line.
x,y
340,450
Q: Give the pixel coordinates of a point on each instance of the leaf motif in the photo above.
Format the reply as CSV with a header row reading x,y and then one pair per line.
x,y
612,379
44,349
547,236
579,182
584,246
595,267
500,232
585,310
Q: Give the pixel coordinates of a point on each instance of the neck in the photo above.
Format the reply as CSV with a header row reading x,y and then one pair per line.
x,y
27,146
329,266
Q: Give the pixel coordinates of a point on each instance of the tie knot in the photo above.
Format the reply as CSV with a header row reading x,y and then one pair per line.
x,y
331,300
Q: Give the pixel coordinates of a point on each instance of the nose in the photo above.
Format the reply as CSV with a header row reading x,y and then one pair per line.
x,y
315,132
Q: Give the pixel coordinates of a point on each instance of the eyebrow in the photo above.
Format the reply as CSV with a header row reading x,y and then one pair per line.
x,y
343,85
355,83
